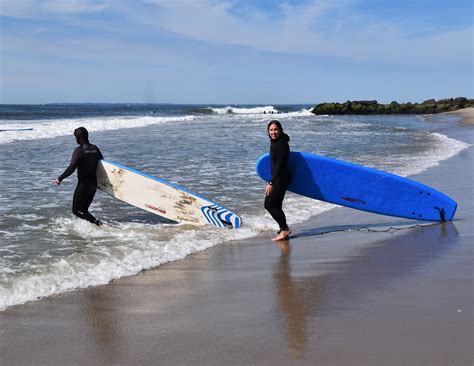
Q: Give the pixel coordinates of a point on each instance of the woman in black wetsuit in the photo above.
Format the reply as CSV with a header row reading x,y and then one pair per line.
x,y
276,188
85,158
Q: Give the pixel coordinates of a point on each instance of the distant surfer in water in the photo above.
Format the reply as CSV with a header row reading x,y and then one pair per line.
x,y
85,158
276,188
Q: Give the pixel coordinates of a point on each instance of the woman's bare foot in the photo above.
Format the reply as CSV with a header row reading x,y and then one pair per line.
x,y
283,235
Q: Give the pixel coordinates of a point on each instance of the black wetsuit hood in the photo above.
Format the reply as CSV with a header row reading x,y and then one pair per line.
x,y
82,136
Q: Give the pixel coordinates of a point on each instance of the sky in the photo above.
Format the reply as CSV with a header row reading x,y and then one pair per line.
x,y
234,51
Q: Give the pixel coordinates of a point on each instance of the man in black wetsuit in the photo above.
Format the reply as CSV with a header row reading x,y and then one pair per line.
x,y
85,158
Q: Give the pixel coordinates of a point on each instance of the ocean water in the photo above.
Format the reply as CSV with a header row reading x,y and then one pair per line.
x,y
211,150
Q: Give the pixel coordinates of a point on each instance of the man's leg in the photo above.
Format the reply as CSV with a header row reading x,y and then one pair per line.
x,y
83,196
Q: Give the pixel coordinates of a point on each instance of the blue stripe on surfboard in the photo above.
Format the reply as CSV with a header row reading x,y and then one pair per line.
x,y
210,215
220,216
238,222
217,214
205,212
227,217
223,215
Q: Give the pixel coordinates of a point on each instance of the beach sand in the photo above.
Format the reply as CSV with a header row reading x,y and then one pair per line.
x,y
335,294
467,115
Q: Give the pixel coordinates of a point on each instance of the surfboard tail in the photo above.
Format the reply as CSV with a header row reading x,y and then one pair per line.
x,y
221,217
447,214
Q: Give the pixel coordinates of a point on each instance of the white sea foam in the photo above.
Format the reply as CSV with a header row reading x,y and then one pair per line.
x,y
237,110
54,128
118,253
268,110
445,148
25,217
301,113
141,247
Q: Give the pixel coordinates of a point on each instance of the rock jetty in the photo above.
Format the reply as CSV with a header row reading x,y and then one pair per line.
x,y
373,107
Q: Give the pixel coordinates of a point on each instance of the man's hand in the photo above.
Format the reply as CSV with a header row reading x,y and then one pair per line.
x,y
57,182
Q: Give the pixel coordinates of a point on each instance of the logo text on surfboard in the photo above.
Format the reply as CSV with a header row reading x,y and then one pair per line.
x,y
158,209
354,200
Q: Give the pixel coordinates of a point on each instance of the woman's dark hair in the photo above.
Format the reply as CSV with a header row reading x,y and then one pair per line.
x,y
274,122
81,135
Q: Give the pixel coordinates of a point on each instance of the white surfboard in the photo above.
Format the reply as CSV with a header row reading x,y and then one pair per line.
x,y
162,198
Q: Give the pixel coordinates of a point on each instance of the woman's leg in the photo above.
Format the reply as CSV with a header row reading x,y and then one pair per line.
x,y
274,203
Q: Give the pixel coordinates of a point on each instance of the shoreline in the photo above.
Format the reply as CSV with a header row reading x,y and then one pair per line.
x,y
466,115
346,297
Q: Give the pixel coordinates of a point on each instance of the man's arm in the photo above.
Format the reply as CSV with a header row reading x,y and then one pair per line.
x,y
72,166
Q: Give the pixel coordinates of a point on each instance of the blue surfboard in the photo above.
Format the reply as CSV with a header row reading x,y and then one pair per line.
x,y
362,188
15,129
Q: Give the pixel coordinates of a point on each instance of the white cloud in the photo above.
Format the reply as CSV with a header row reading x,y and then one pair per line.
x,y
74,6
45,8
325,28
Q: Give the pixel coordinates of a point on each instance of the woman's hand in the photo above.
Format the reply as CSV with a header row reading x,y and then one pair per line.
x,y
268,190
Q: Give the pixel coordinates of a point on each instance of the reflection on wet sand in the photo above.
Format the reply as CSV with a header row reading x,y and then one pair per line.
x,y
302,301
105,333
297,300
391,259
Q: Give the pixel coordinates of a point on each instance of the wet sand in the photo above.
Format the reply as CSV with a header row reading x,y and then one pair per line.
x,y
335,294
467,115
